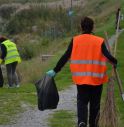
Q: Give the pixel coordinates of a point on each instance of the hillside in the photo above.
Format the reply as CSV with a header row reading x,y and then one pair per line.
x,y
34,20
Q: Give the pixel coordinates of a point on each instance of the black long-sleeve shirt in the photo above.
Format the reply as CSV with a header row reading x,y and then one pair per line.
x,y
3,50
65,57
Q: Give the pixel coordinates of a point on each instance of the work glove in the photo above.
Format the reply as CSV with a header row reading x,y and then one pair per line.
x,y
1,61
51,73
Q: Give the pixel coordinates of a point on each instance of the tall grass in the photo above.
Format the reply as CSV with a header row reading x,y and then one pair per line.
x,y
120,51
23,1
41,17
31,70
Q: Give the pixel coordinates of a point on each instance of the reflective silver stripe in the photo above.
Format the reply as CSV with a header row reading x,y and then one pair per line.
x,y
12,57
100,75
13,50
87,62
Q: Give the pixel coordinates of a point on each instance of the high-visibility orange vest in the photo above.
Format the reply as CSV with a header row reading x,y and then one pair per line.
x,y
87,63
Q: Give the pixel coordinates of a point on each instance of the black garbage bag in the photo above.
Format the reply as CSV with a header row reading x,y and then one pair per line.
x,y
47,93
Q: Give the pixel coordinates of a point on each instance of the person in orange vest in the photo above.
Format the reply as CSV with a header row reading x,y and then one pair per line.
x,y
88,56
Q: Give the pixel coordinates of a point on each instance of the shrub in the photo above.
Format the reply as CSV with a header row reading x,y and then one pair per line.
x,y
43,18
6,10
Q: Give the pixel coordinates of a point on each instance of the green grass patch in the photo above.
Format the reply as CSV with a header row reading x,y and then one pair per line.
x,y
119,102
15,100
108,27
62,118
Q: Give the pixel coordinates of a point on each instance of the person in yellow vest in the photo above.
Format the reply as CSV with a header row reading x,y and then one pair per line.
x,y
88,56
10,57
1,74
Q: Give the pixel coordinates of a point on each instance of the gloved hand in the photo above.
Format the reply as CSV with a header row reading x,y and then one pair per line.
x,y
51,73
1,61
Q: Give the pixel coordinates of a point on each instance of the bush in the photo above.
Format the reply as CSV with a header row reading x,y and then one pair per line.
x,y
7,10
33,48
27,51
41,17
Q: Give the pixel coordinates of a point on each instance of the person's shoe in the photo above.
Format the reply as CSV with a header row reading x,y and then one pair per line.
x,y
82,124
17,86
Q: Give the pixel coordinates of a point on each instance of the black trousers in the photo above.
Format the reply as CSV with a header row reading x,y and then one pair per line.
x,y
11,74
88,95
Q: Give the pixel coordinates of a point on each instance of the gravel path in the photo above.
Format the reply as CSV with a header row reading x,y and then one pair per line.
x,y
36,118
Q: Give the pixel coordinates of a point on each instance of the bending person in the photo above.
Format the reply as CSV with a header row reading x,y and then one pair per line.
x,y
10,57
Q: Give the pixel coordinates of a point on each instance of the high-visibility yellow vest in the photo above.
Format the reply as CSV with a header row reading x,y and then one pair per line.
x,y
12,52
88,64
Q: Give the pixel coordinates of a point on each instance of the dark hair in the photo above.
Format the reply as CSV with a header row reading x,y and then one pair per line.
x,y
2,38
119,9
87,25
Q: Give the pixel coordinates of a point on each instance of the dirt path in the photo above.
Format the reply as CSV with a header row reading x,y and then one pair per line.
x,y
36,118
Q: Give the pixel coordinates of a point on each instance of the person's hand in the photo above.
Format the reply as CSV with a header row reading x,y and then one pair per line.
x,y
51,73
1,61
116,65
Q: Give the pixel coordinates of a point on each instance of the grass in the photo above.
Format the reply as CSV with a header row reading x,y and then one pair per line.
x,y
119,101
63,118
14,101
38,19
23,1
31,70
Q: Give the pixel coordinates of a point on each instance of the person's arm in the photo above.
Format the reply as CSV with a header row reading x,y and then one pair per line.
x,y
108,55
65,57
4,51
